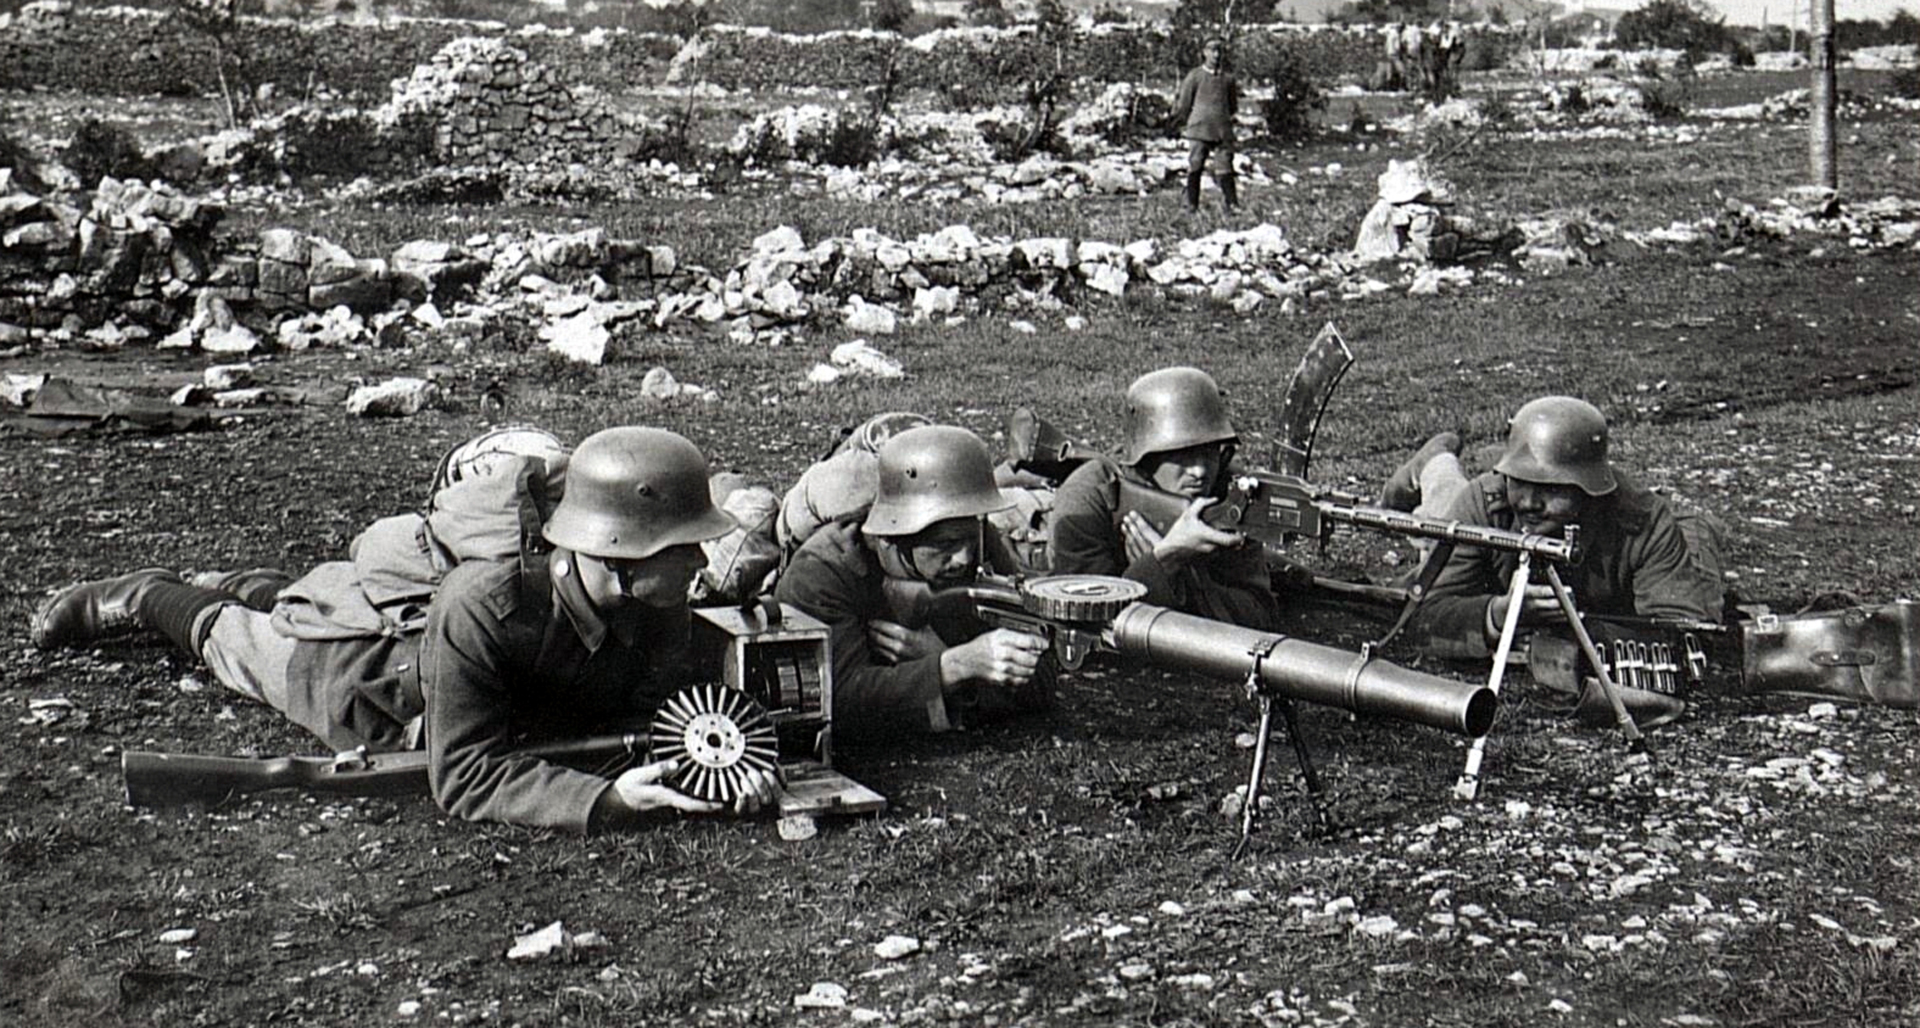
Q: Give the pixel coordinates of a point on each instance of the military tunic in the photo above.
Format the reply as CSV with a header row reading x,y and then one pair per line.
x,y
1637,561
1227,585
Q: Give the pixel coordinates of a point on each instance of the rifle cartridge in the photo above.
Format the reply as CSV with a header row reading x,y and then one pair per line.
x,y
1301,670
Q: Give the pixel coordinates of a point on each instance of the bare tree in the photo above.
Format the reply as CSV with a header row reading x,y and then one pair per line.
x,y
218,21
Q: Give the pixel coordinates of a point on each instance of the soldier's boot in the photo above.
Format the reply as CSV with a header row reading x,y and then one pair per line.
x,y
91,611
1229,191
258,588
1402,491
1193,190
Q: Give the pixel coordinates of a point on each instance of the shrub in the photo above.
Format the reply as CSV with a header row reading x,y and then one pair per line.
x,y
853,143
15,155
1289,115
1674,25
1671,96
99,149
1905,83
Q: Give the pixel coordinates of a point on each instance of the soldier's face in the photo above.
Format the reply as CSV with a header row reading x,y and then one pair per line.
x,y
946,552
1212,54
1545,509
657,581
1189,472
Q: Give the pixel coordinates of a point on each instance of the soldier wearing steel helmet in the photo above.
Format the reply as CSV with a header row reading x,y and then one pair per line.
x,y
926,525
1641,557
577,630
1179,440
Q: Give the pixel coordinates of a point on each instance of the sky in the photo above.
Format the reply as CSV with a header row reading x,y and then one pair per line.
x,y
1780,12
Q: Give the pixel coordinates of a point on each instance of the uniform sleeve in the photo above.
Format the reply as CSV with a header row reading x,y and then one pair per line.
x,y
871,699
1183,101
467,663
1451,621
1667,579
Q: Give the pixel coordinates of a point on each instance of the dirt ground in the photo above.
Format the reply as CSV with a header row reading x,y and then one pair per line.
x,y
1074,869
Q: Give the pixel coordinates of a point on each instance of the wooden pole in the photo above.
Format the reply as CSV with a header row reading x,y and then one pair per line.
x,y
1820,100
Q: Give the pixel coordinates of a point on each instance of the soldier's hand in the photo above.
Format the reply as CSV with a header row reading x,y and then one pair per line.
x,y
641,790
1139,535
759,789
1001,657
898,644
1190,538
1537,607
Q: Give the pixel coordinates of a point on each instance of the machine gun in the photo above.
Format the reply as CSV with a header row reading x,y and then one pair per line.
x,y
1083,614
1274,509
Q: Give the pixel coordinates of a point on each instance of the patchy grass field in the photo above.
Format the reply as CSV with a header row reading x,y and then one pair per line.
x,y
1758,869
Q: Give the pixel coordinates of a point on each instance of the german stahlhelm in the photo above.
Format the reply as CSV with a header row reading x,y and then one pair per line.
x,y
1558,440
1172,409
928,475
632,492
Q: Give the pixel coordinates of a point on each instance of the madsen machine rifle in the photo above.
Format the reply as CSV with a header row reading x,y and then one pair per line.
x,y
1275,509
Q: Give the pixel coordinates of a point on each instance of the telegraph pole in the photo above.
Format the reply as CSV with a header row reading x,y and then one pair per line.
x,y
1820,98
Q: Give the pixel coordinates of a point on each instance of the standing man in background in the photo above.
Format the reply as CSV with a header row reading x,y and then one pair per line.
x,y
1209,98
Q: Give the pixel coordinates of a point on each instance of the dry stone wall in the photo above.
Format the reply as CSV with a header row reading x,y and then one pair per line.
x,y
135,52
132,257
118,51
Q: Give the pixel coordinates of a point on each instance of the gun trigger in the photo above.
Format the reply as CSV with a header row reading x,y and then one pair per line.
x,y
351,760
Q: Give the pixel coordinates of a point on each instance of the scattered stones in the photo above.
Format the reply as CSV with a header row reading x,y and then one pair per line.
x,y
823,996
394,398
859,357
893,947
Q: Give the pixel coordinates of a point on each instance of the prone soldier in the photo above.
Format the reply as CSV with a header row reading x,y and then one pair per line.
x,y
1179,440
1641,557
584,624
926,525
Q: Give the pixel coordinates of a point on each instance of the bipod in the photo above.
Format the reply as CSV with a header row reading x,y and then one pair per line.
x,y
1636,742
1468,787
1316,793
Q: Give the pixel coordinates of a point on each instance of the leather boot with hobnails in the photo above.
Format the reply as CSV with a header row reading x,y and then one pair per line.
x,y
91,611
1402,491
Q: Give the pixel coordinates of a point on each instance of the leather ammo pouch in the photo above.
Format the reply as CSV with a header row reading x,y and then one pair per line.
x,y
1864,654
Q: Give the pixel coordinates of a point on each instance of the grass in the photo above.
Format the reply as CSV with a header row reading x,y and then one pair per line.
x,y
1020,851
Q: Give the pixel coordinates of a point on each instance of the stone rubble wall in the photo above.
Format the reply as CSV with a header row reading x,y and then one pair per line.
x,y
965,58
119,51
131,256
489,103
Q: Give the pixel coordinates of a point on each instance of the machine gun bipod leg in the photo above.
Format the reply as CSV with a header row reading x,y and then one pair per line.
x,y
1316,793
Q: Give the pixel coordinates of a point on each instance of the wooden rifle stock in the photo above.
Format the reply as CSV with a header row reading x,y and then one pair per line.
x,y
179,779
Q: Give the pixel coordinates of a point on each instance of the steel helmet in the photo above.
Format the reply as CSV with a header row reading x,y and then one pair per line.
x,y
1172,409
632,492
931,474
1558,440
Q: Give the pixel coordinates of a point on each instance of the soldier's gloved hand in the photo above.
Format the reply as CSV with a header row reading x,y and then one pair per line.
x,y
1002,657
898,644
1537,607
1190,538
639,789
